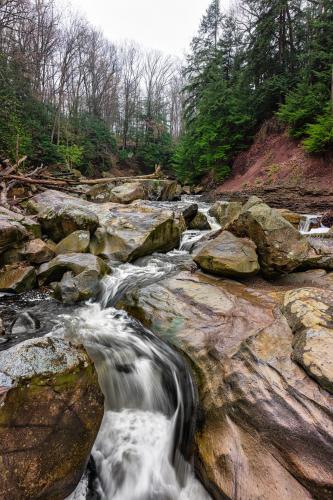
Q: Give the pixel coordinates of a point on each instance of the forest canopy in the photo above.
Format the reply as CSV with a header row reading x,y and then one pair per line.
x,y
69,95
264,58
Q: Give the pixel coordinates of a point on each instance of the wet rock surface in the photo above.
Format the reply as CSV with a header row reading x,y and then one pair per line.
x,y
74,262
310,314
266,427
37,252
50,412
227,255
17,279
130,232
281,248
60,214
77,242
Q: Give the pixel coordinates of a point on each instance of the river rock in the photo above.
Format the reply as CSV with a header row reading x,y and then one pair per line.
x,y
51,408
75,262
130,232
31,226
265,428
128,192
281,248
199,223
227,255
82,287
25,323
225,212
17,278
11,233
141,189
77,242
290,216
310,315
37,252
61,214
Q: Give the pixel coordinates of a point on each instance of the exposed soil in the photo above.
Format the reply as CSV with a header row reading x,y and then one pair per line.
x,y
277,169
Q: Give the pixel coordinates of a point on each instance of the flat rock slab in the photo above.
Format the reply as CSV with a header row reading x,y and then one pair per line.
x,y
266,427
227,255
51,408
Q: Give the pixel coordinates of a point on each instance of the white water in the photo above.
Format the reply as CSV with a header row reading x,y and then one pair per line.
x,y
307,221
191,237
150,400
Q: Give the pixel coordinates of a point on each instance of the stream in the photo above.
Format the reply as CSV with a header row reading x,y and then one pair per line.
x,y
144,447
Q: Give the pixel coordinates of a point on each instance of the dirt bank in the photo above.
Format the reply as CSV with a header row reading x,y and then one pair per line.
x,y
277,169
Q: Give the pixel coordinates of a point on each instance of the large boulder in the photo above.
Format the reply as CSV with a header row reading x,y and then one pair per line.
x,y
225,212
61,214
141,189
162,190
130,232
51,408
17,278
77,242
281,248
37,252
227,255
82,287
77,263
265,428
11,234
31,226
199,223
128,192
310,315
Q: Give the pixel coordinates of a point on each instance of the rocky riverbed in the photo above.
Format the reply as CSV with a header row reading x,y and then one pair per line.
x,y
234,287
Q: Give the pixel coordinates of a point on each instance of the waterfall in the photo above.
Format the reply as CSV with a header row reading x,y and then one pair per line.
x,y
143,449
309,220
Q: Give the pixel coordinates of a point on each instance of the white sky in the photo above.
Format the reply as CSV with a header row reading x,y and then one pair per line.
x,y
165,25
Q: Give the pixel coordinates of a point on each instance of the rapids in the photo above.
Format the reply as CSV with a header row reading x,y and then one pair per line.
x,y
144,447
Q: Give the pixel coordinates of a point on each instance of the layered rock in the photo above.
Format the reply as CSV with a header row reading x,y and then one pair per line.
x,y
77,263
281,248
51,408
265,427
310,315
227,255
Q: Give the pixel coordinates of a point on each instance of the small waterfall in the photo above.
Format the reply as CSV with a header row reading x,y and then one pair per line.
x,y
143,449
312,220
191,237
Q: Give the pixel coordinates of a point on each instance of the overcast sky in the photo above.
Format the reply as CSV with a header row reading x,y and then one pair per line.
x,y
166,25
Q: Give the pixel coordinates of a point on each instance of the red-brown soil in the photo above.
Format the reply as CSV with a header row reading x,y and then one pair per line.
x,y
278,169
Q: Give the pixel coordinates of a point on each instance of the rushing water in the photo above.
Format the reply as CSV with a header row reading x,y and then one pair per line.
x,y
143,449
309,220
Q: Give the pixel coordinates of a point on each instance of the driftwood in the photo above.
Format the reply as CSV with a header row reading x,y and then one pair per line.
x,y
9,177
